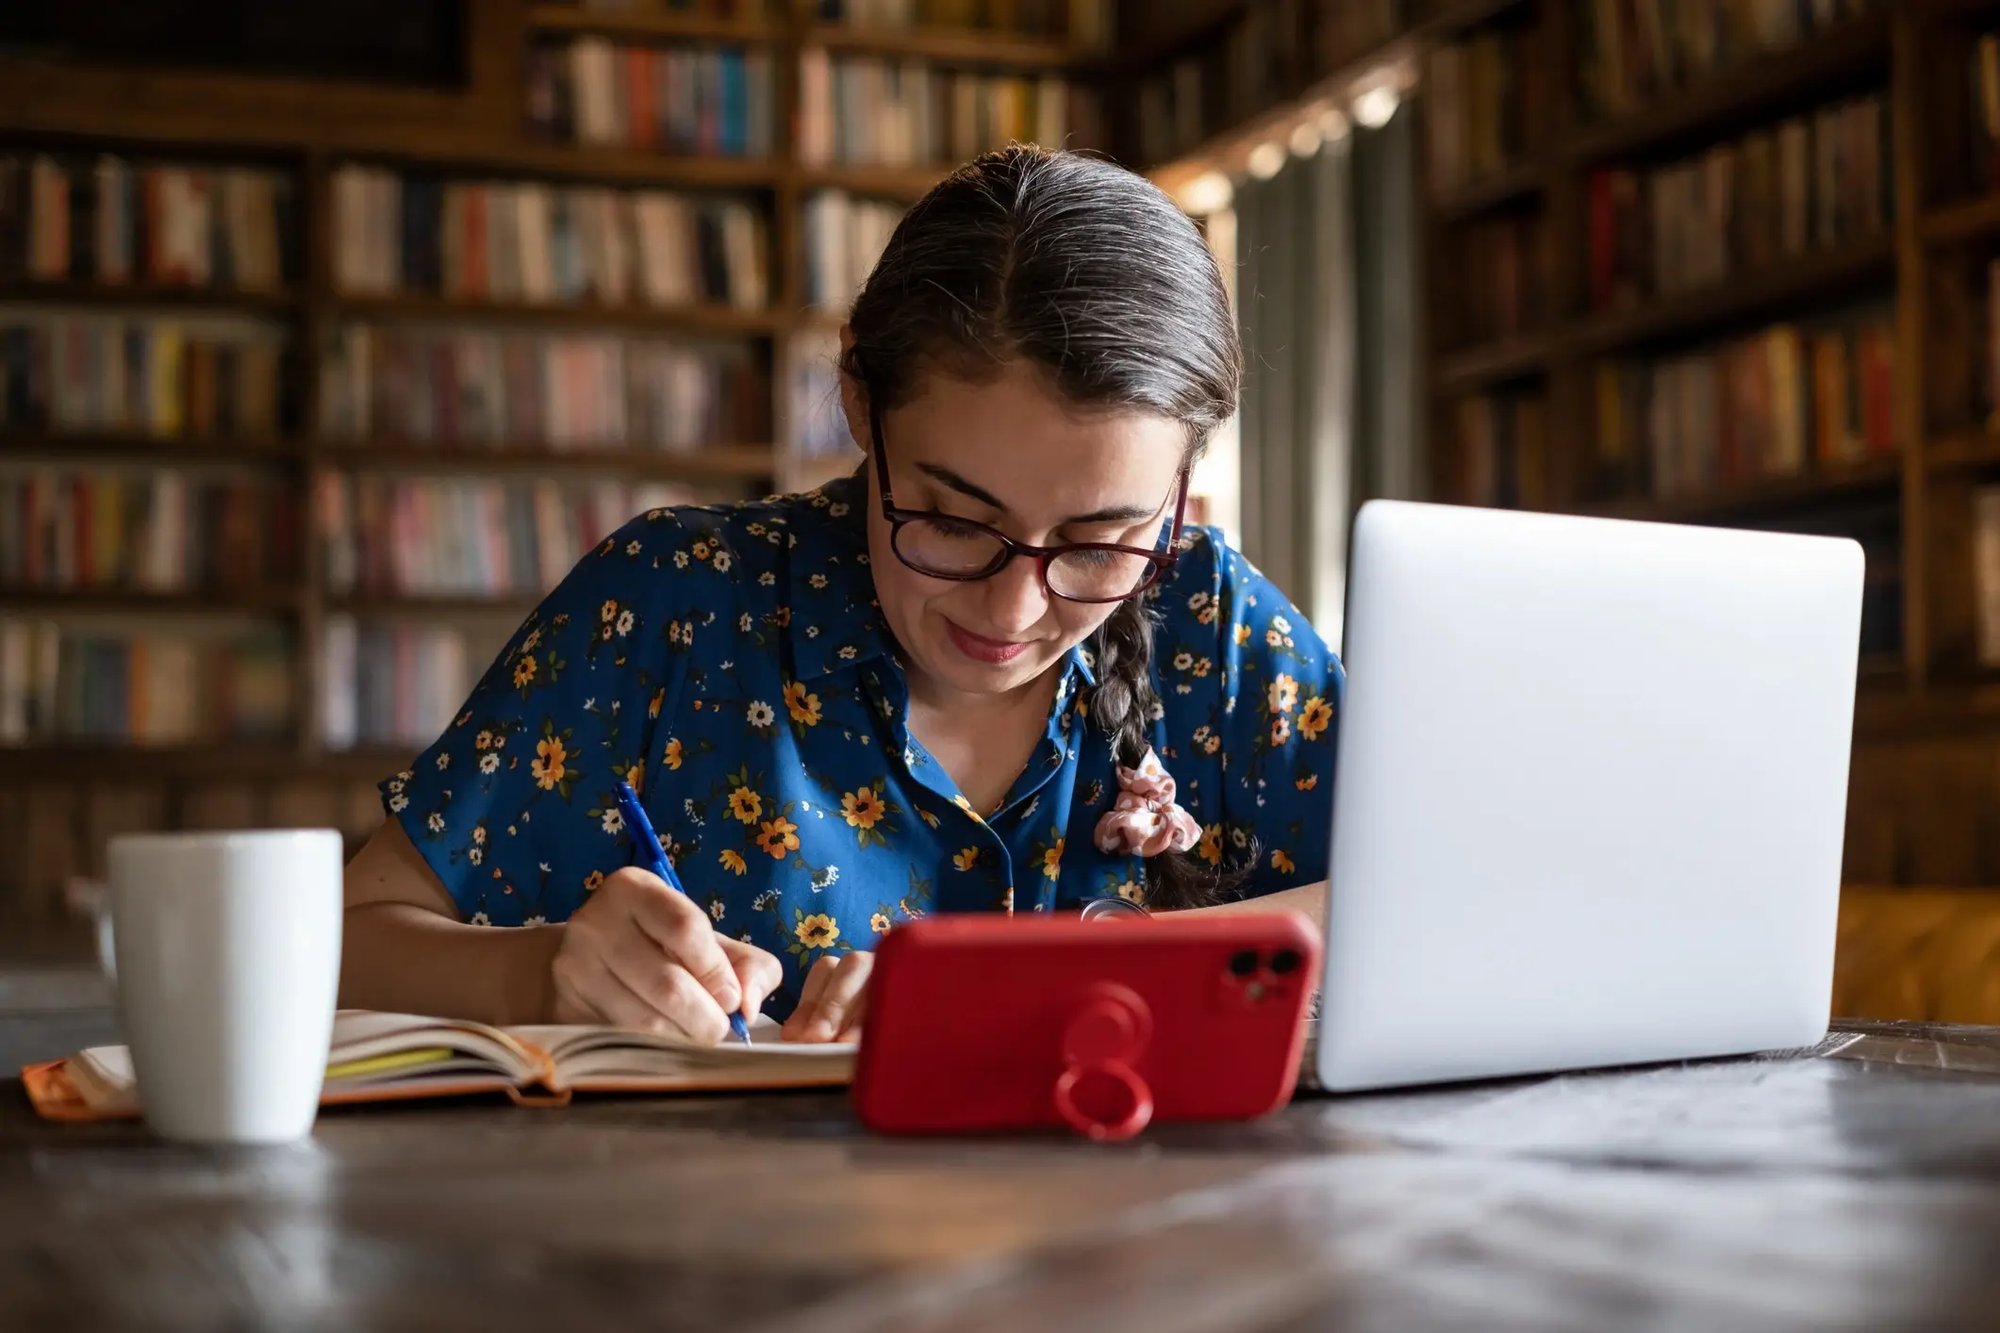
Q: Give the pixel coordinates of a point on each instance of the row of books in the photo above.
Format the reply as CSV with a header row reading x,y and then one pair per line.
x,y
104,219
1637,52
412,384
714,101
1502,453
715,9
1777,403
439,537
844,236
74,371
395,684
1086,23
545,244
149,530
1500,290
72,683
1485,101
1815,182
862,111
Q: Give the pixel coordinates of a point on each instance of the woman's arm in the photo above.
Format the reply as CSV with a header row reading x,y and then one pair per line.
x,y
1308,900
405,950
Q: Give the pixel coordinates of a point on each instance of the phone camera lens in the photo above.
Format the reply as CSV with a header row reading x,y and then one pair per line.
x,y
1285,960
1243,962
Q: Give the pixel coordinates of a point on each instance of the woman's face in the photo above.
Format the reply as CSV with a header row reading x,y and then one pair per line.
x,y
1012,454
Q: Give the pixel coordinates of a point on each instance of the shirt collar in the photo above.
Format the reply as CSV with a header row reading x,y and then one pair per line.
x,y
837,624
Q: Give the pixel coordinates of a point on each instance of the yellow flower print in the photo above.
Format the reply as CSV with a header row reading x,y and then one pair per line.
x,y
1282,863
550,762
818,931
1242,635
701,550
732,861
608,612
1308,782
861,808
653,708
966,859
673,756
524,672
1274,639
803,707
636,775
746,805
778,836
1283,694
1281,730
1210,849
966,806
782,616
592,881
1202,666
879,923
1052,859
1132,891
483,741
1313,721
929,819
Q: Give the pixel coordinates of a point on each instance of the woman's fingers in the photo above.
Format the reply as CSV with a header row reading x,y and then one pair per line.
x,y
833,1000
680,928
758,973
672,1003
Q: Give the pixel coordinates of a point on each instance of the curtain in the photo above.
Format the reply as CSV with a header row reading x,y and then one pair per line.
x,y
1327,303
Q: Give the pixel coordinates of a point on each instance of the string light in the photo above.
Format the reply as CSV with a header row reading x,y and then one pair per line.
x,y
1267,160
1376,107
1207,194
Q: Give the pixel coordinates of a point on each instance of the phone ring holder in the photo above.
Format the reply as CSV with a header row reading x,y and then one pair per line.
x,y
1099,1094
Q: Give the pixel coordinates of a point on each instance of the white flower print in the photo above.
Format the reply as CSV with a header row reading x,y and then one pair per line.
x,y
476,855
763,901
759,713
536,920
680,559
848,654
767,579
812,631
838,509
480,919
614,821
743,622
721,562
817,580
625,623
1198,601
716,907
825,878
1183,661
444,760
489,763
435,823
398,803
1282,625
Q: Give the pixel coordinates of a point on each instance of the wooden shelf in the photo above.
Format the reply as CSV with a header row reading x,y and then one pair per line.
x,y
568,19
107,446
740,460
1495,363
1970,220
690,319
1734,96
1749,296
1201,20
1971,447
138,601
152,294
902,183
952,46
112,764
419,604
1523,180
606,164
1774,493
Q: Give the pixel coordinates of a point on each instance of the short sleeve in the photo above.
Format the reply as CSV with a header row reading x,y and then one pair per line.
x,y
513,805
1251,705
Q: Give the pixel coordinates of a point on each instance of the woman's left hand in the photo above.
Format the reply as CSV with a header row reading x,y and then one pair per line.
x,y
834,1001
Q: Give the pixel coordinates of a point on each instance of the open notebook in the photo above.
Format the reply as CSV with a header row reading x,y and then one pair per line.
x,y
395,1057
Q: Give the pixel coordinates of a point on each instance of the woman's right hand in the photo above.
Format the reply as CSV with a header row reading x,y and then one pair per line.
x,y
639,955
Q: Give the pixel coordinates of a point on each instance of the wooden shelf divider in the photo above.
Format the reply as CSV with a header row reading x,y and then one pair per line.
x,y
711,461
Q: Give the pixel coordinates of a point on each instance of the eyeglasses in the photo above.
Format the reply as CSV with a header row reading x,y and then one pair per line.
x,y
942,547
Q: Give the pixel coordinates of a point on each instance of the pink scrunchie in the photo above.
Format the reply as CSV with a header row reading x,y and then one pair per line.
x,y
1145,821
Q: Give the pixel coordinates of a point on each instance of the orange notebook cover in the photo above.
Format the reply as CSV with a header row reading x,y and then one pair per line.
x,y
377,1057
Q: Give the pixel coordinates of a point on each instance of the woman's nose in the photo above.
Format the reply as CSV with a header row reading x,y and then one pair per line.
x,y
1015,597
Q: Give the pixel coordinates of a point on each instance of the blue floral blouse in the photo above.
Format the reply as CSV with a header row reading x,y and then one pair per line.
x,y
732,663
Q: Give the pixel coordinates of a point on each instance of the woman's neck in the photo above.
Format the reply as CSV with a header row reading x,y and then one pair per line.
x,y
982,740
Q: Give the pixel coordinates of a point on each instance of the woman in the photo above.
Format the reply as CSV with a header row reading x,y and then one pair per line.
x,y
991,672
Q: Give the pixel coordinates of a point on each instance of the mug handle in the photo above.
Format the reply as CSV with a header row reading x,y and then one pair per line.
x,y
94,897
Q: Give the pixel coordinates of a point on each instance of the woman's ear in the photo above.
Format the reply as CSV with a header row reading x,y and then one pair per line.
x,y
853,396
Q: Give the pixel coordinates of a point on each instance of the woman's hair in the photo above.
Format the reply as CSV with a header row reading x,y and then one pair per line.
x,y
1090,273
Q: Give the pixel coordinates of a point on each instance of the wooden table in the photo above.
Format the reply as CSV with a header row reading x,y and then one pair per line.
x,y
1857,1188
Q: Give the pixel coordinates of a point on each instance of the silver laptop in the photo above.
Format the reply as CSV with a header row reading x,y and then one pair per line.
x,y
1590,797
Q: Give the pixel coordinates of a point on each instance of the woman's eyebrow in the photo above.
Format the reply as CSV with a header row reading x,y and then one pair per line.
x,y
1109,514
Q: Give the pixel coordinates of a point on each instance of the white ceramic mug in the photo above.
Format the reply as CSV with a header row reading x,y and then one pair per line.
x,y
227,965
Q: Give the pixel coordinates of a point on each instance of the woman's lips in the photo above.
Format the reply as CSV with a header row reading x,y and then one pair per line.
x,y
993,652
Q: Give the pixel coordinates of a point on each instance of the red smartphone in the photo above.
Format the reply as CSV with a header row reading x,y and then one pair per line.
x,y
979,1023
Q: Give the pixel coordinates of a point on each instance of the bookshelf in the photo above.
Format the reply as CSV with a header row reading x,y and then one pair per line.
x,y
1914,467
483,128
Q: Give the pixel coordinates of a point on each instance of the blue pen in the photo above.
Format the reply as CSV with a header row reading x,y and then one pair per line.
x,y
655,856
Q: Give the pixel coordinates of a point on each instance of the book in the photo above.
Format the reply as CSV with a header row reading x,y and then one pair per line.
x,y
398,684
377,1057
867,111
72,371
73,682
711,100
1486,98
